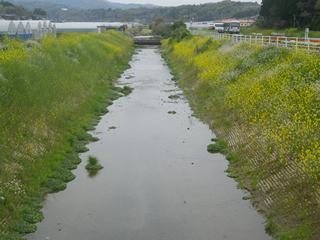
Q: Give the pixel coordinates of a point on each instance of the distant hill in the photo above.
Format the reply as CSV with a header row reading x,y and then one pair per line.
x,y
10,11
81,4
130,5
100,10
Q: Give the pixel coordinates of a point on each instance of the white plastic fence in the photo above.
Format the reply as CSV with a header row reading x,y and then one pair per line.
x,y
294,43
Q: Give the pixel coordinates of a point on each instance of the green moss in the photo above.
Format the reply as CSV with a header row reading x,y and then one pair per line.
x,y
84,136
89,128
174,96
215,139
102,111
246,197
11,237
62,174
219,146
113,96
23,227
93,167
126,90
232,157
33,215
54,184
74,158
80,147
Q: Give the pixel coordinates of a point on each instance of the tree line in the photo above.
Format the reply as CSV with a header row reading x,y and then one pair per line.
x,y
202,12
280,14
10,11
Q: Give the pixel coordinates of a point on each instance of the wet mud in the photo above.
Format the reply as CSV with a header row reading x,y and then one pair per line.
x,y
158,180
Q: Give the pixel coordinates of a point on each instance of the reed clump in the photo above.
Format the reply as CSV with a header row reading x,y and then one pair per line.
x,y
93,163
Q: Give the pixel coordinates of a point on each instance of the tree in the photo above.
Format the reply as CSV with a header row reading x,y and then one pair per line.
x,y
40,12
2,10
178,24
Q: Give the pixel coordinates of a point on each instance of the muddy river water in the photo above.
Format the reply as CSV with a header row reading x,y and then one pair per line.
x,y
159,181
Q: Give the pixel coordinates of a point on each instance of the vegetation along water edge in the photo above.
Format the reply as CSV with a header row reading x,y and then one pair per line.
x,y
52,91
263,104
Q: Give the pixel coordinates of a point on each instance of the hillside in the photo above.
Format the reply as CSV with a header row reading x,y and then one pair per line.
x,y
12,12
81,4
202,12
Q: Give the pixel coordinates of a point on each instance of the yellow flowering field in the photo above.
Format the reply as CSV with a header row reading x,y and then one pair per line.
x,y
265,101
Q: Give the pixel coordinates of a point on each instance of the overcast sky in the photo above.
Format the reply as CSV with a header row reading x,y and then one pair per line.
x,y
172,3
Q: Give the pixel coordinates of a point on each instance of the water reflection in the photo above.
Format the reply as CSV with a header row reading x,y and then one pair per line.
x,y
160,182
93,173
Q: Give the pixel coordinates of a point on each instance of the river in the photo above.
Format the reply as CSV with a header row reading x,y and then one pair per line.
x,y
159,181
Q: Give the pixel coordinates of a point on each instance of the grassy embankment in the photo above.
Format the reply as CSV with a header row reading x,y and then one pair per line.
x,y
291,32
51,91
264,103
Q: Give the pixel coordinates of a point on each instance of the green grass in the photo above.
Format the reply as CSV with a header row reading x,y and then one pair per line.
x,y
23,227
175,78
250,162
84,136
215,139
174,96
246,197
53,185
172,112
219,146
271,227
93,163
126,90
62,174
80,147
232,157
291,32
113,96
33,215
11,237
54,92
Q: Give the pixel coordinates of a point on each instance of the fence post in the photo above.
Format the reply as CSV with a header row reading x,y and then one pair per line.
x,y
286,42
277,41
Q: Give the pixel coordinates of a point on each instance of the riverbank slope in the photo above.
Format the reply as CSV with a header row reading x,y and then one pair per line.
x,y
50,91
264,101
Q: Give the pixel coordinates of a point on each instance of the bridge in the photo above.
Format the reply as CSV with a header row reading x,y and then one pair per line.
x,y
146,40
